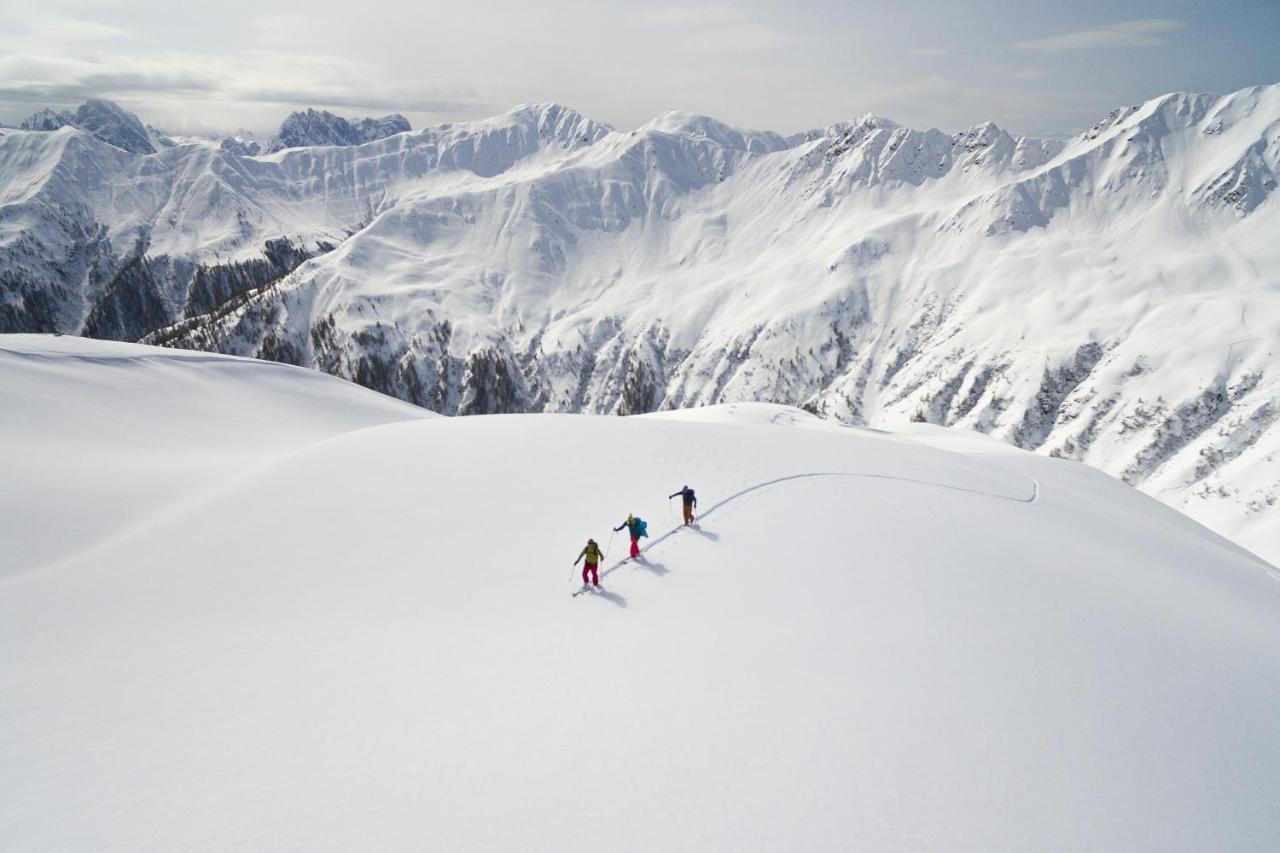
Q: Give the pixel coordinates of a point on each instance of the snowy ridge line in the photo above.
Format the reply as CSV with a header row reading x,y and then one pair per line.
x,y
1035,495
186,356
185,504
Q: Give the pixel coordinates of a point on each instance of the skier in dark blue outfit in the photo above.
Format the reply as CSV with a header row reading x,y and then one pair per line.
x,y
636,528
689,499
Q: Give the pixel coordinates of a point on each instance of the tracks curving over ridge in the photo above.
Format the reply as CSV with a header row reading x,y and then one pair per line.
x,y
1032,498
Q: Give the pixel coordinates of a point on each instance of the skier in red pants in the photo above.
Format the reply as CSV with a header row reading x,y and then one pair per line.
x,y
636,528
590,574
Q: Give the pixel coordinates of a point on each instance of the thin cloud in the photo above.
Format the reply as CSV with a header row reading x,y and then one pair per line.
x,y
742,37
714,15
319,97
1143,33
929,51
719,28
141,81
61,81
42,24
281,30
1042,111
252,80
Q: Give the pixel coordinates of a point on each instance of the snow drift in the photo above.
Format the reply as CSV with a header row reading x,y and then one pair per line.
x,y
890,641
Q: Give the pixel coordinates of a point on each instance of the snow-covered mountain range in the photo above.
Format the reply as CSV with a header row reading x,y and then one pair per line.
x,y
245,606
1113,298
113,124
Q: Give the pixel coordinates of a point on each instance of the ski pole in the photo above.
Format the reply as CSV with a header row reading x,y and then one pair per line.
x,y
610,545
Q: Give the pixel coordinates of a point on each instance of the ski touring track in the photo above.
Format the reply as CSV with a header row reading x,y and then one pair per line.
x,y
1030,499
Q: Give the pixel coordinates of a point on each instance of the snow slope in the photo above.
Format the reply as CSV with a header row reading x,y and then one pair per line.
x,y
102,437
880,641
1112,298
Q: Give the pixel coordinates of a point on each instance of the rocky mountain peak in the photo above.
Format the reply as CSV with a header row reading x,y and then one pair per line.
x,y
105,120
312,127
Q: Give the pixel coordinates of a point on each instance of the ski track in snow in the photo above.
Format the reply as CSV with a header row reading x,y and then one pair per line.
x,y
1035,494
1269,570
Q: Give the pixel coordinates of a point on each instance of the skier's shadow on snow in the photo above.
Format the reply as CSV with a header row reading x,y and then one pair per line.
x,y
714,537
612,597
657,568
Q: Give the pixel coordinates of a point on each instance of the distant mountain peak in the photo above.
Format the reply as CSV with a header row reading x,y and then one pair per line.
x,y
544,108
46,120
240,146
694,126
860,126
312,127
687,123
557,122
105,120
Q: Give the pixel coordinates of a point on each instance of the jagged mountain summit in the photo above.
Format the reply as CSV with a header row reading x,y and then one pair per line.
x,y
106,121
46,119
1110,298
114,125
319,127
240,146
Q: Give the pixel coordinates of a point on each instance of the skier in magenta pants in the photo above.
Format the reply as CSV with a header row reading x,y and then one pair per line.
x,y
590,572
636,528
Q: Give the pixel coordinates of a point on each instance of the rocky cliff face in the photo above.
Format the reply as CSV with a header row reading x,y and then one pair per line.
x,y
318,127
1111,298
106,121
46,120
240,147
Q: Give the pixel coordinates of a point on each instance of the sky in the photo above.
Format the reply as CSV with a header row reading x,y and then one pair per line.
x,y
1048,69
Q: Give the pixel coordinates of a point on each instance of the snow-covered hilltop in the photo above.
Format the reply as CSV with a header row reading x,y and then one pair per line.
x,y
114,434
1112,298
249,607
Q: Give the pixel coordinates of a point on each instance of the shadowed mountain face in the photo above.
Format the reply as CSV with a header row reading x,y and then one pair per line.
x,y
318,127
1110,298
104,120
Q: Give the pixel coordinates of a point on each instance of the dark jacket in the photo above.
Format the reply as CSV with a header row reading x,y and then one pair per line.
x,y
686,495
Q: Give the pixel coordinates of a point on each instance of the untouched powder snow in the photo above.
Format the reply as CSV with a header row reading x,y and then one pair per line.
x,y
876,641
102,436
